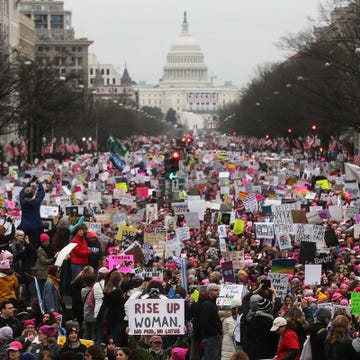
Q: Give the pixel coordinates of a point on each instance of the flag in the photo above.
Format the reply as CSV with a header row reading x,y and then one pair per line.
x,y
75,147
356,159
116,146
69,148
60,147
23,149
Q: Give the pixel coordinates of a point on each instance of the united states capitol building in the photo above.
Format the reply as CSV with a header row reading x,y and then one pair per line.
x,y
185,86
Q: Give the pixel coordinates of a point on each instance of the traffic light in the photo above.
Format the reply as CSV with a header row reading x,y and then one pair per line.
x,y
172,165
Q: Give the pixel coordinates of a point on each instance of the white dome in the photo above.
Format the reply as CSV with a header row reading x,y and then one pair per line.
x,y
185,43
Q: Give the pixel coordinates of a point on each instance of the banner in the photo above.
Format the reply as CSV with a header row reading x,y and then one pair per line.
x,y
156,316
228,293
283,266
152,272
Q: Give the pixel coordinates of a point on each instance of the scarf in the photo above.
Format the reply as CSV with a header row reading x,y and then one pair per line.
x,y
55,280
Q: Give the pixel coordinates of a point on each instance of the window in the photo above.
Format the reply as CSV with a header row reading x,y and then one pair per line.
x,y
91,81
73,49
57,21
40,21
108,82
107,72
114,81
102,71
91,71
79,61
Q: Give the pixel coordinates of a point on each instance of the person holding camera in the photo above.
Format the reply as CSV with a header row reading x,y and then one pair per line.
x,y
31,196
6,239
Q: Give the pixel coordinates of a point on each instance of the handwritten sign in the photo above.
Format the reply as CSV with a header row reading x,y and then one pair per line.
x,y
156,316
355,303
280,283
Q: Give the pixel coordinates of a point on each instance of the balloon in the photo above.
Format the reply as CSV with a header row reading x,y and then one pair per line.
x,y
117,162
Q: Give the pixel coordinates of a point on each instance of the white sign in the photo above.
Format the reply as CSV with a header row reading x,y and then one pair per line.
x,y
228,293
280,283
126,200
183,233
312,274
93,226
156,316
63,252
151,272
283,222
48,211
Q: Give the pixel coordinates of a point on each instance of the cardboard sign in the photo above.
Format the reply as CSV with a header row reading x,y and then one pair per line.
x,y
284,241
228,272
282,219
179,208
283,266
183,233
126,233
355,303
48,211
156,316
118,261
280,283
228,293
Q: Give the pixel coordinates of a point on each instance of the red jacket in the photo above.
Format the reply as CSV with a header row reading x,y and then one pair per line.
x,y
289,341
79,255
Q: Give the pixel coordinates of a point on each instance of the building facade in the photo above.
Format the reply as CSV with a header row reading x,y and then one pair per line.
x,y
55,38
185,86
9,24
27,37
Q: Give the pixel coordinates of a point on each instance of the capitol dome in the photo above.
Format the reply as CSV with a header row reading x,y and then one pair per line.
x,y
185,61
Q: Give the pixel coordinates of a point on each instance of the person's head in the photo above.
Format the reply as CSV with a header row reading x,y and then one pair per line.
x,y
48,317
89,279
72,332
54,271
45,332
27,356
289,300
19,236
91,236
156,343
339,329
295,318
123,353
110,344
29,327
79,230
213,290
323,315
7,309
239,355
279,325
44,355
114,281
103,272
14,350
6,333
178,353
94,353
44,240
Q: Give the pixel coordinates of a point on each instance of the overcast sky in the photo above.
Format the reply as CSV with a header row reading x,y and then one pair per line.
x,y
234,35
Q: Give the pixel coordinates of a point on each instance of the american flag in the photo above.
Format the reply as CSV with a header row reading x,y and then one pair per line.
x,y
356,159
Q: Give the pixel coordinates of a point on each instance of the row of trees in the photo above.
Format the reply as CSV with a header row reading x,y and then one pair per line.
x,y
318,85
37,103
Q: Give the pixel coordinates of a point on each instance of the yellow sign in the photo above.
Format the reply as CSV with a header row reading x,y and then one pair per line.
x,y
325,185
122,185
61,341
126,232
239,226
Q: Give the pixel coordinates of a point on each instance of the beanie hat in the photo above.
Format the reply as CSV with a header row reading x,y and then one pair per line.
x,y
103,270
179,353
47,330
336,296
6,254
57,315
4,264
72,326
264,305
91,234
254,299
344,302
28,322
44,237
321,297
27,356
6,333
322,314
236,302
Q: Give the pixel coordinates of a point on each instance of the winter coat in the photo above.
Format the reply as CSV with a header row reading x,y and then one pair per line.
x,y
227,347
24,253
262,342
14,323
8,284
340,350
115,302
95,255
88,312
40,269
210,322
30,210
318,335
79,255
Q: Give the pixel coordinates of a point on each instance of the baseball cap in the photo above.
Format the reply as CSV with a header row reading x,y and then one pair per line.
x,y
277,323
15,345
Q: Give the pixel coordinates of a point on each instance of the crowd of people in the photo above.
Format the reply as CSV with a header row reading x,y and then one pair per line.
x,y
233,210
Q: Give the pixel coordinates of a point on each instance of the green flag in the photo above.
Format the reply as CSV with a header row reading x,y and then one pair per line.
x,y
116,146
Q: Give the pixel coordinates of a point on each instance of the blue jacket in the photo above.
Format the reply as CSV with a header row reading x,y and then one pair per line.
x,y
51,299
30,209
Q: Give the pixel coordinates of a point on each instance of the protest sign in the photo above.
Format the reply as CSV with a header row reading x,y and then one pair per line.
x,y
152,272
126,234
282,219
151,213
312,274
179,208
264,230
228,272
228,293
63,252
304,232
307,252
239,226
279,282
48,211
156,316
118,261
126,199
283,266
355,303
192,220
183,233
93,226
236,257
284,241
148,252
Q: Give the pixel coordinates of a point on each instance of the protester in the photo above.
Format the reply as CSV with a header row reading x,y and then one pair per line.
x,y
72,342
52,293
124,353
81,252
7,318
289,347
47,340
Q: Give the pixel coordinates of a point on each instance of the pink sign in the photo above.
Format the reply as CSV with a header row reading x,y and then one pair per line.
x,y
119,261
